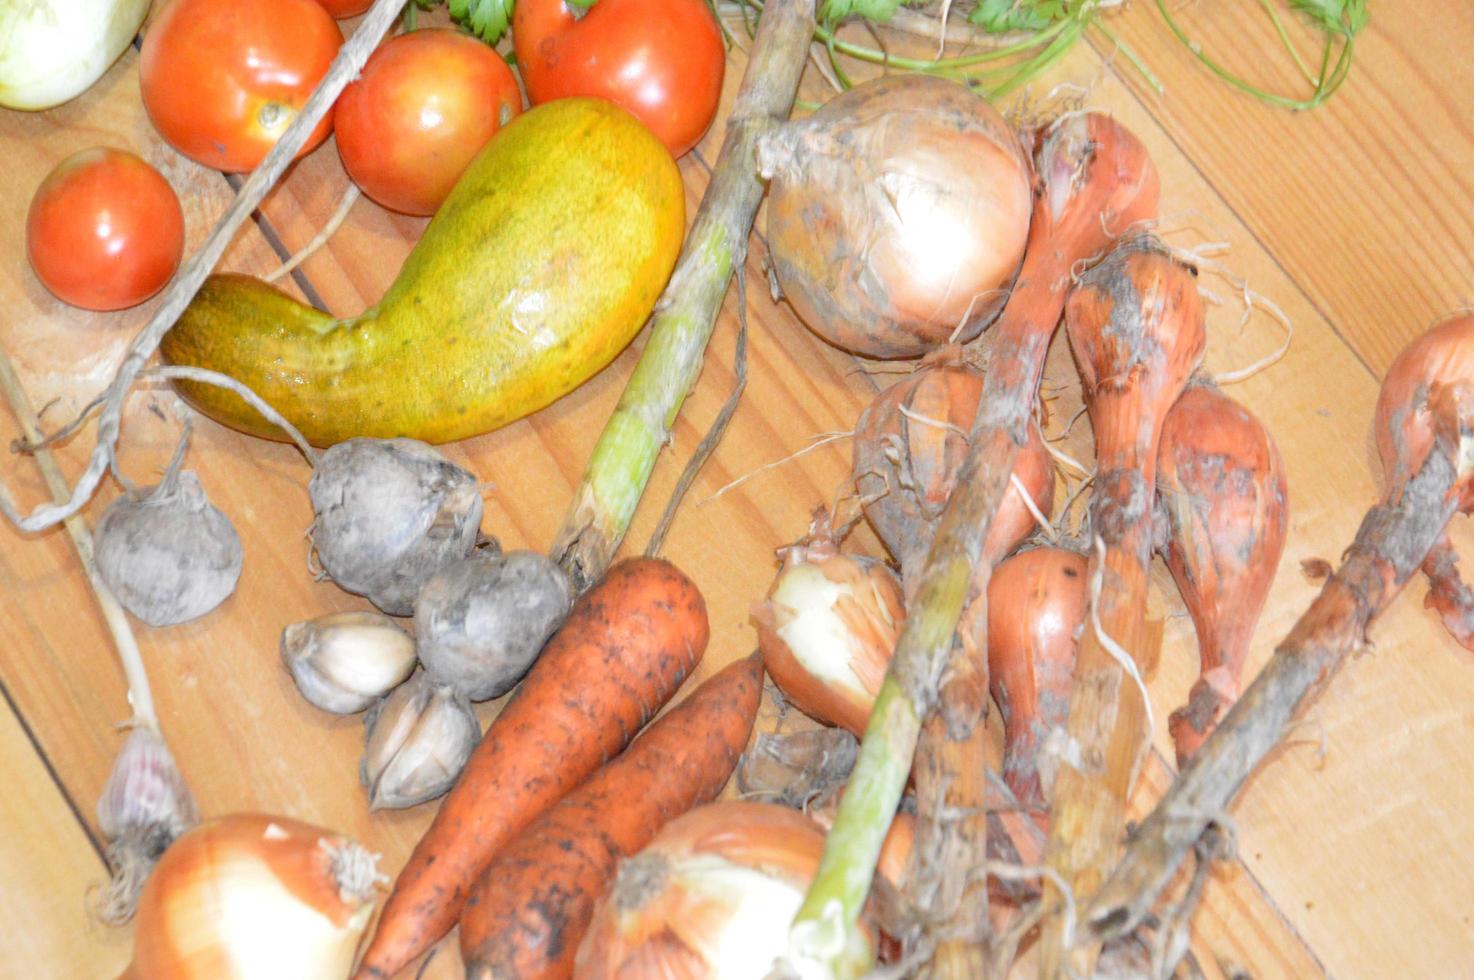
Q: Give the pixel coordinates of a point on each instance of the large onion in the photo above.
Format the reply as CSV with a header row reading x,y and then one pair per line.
x,y
254,896
712,896
897,214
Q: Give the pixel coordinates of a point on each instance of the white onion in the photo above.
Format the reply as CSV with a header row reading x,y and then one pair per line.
x,y
53,50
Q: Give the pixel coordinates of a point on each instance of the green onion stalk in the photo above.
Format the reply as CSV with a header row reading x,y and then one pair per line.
x,y
716,246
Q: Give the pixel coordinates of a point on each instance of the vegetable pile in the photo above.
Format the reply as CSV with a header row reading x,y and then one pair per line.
x,y
589,831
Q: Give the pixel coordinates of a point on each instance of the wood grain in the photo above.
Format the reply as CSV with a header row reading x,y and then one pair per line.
x,y
1348,841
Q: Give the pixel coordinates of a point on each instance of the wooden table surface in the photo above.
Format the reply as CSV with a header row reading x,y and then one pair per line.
x,y
1354,218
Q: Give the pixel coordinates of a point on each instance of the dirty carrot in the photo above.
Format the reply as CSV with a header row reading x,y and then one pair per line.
x,y
529,909
625,648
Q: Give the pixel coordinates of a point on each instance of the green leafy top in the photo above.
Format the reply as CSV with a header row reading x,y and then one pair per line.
x,y
487,19
1006,16
1344,17
879,11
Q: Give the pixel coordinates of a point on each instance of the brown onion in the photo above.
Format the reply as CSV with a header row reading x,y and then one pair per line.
x,y
827,631
909,446
711,896
250,896
897,214
1036,606
1221,484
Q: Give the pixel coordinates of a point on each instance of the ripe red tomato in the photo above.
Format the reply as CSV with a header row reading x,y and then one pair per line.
x,y
425,103
222,80
105,230
346,8
661,59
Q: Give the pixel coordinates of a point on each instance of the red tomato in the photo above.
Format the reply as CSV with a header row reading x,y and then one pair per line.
x,y
222,80
105,230
661,59
425,103
346,8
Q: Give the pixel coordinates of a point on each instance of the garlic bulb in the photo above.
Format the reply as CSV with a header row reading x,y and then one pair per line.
x,y
482,621
169,555
249,897
416,743
388,514
344,662
144,807
827,631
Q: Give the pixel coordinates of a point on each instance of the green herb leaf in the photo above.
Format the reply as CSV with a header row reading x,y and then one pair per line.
x,y
880,11
1005,16
487,19
1344,17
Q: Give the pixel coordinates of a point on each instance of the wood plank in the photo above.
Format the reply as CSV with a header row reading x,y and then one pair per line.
x,y
48,865
1367,201
245,739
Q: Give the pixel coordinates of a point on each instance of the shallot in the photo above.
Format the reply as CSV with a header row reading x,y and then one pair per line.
x,y
1135,323
1221,486
1036,608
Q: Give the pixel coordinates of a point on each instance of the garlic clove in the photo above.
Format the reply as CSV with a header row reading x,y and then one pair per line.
x,y
144,807
344,662
416,743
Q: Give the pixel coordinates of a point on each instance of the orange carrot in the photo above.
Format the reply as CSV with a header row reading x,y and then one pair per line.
x,y
530,908
624,650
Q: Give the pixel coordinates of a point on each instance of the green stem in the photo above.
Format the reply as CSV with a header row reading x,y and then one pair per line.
x,y
1284,34
1324,85
619,469
1131,56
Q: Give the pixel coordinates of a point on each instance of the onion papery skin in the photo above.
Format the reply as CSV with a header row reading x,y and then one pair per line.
x,y
712,896
897,215
827,631
248,897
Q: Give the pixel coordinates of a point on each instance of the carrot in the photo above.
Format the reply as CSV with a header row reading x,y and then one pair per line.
x,y
530,908
625,648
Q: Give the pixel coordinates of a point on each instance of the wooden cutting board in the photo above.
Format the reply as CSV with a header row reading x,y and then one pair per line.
x,y
1354,219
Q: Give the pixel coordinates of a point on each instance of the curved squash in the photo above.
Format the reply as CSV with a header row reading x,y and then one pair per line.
x,y
539,268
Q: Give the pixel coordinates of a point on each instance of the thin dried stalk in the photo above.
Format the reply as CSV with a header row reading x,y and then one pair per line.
x,y
620,467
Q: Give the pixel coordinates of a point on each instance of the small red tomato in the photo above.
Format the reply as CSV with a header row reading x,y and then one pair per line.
x,y
105,230
662,60
222,81
425,103
346,8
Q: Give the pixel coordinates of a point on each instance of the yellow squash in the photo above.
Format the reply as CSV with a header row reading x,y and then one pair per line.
x,y
540,267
